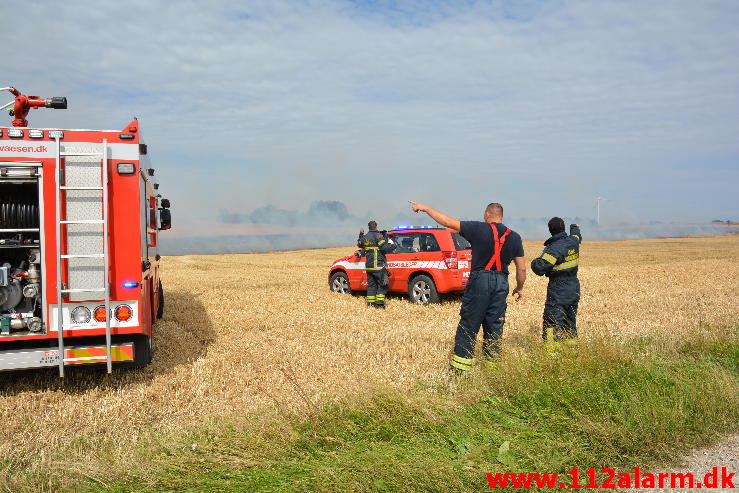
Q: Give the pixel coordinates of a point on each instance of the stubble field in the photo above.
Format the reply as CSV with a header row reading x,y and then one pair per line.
x,y
256,335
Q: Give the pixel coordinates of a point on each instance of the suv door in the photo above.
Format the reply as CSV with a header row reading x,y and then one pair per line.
x,y
413,252
358,277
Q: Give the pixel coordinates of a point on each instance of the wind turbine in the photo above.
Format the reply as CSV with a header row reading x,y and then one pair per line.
x,y
597,209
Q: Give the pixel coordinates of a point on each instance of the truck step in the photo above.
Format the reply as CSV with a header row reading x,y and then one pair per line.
x,y
87,255
80,188
83,221
84,290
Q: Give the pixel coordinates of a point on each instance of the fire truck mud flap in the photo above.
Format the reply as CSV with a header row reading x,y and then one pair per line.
x,y
20,359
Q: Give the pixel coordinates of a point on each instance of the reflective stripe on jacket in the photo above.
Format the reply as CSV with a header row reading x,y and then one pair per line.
x,y
561,255
375,245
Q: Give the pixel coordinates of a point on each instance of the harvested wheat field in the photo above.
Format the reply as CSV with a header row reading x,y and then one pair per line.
x,y
254,334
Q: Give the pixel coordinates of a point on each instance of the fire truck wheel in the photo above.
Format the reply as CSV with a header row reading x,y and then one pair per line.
x,y
143,348
339,283
422,289
160,310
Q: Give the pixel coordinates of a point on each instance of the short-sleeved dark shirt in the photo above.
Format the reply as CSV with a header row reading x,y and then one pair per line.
x,y
480,236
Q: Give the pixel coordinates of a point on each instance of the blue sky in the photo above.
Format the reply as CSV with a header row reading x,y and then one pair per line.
x,y
539,105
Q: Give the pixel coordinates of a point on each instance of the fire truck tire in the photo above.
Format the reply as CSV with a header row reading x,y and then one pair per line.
x,y
143,349
422,290
160,310
339,283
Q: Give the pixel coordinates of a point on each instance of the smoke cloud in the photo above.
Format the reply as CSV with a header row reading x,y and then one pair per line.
x,y
320,213
330,223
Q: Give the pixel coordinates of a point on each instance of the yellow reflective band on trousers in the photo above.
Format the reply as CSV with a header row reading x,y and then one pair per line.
x,y
549,258
461,363
553,347
380,296
567,265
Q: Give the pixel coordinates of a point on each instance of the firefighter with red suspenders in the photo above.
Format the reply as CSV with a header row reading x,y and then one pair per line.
x,y
494,246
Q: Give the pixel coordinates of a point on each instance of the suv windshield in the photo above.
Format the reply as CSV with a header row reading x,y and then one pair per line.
x,y
460,243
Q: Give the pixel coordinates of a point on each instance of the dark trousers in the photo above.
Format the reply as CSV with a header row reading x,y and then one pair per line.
x,y
484,302
560,309
377,284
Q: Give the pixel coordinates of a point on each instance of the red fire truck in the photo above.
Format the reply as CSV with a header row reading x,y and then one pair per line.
x,y
79,264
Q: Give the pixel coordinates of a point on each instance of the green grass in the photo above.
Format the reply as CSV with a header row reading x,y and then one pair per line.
x,y
599,406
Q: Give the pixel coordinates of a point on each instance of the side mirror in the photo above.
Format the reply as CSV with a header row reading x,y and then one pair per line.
x,y
165,218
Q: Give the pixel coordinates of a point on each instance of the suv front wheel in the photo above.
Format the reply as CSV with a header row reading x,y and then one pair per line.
x,y
421,289
339,283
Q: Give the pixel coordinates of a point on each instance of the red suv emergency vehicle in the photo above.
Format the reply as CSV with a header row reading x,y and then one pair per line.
x,y
426,262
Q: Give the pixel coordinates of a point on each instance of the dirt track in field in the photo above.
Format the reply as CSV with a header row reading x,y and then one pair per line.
x,y
249,334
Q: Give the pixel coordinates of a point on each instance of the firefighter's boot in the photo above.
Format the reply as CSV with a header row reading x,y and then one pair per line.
x,y
558,339
569,344
380,301
460,365
551,347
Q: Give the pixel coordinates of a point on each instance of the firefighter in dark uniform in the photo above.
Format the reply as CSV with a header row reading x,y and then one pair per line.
x,y
375,245
559,262
494,246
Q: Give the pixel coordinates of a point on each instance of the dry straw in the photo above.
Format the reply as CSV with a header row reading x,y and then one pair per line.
x,y
251,335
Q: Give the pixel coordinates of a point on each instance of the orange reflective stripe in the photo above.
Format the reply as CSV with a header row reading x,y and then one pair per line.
x,y
122,353
98,354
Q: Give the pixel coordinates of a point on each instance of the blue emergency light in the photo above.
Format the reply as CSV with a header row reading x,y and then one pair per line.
x,y
404,226
130,284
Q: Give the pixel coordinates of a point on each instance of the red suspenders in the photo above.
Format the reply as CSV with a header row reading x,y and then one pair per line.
x,y
497,247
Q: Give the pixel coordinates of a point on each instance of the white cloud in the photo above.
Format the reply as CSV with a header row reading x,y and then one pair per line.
x,y
542,105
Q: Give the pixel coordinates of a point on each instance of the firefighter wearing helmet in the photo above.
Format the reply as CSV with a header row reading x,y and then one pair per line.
x,y
559,262
375,245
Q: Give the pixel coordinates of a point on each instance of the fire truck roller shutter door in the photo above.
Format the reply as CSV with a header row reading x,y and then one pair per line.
x,y
16,210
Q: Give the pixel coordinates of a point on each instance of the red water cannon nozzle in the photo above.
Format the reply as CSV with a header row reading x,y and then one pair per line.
x,y
22,104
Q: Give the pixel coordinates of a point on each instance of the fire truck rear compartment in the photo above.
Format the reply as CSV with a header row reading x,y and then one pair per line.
x,y
20,256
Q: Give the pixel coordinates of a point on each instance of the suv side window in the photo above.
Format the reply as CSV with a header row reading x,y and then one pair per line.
x,y
407,242
427,243
460,243
415,242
